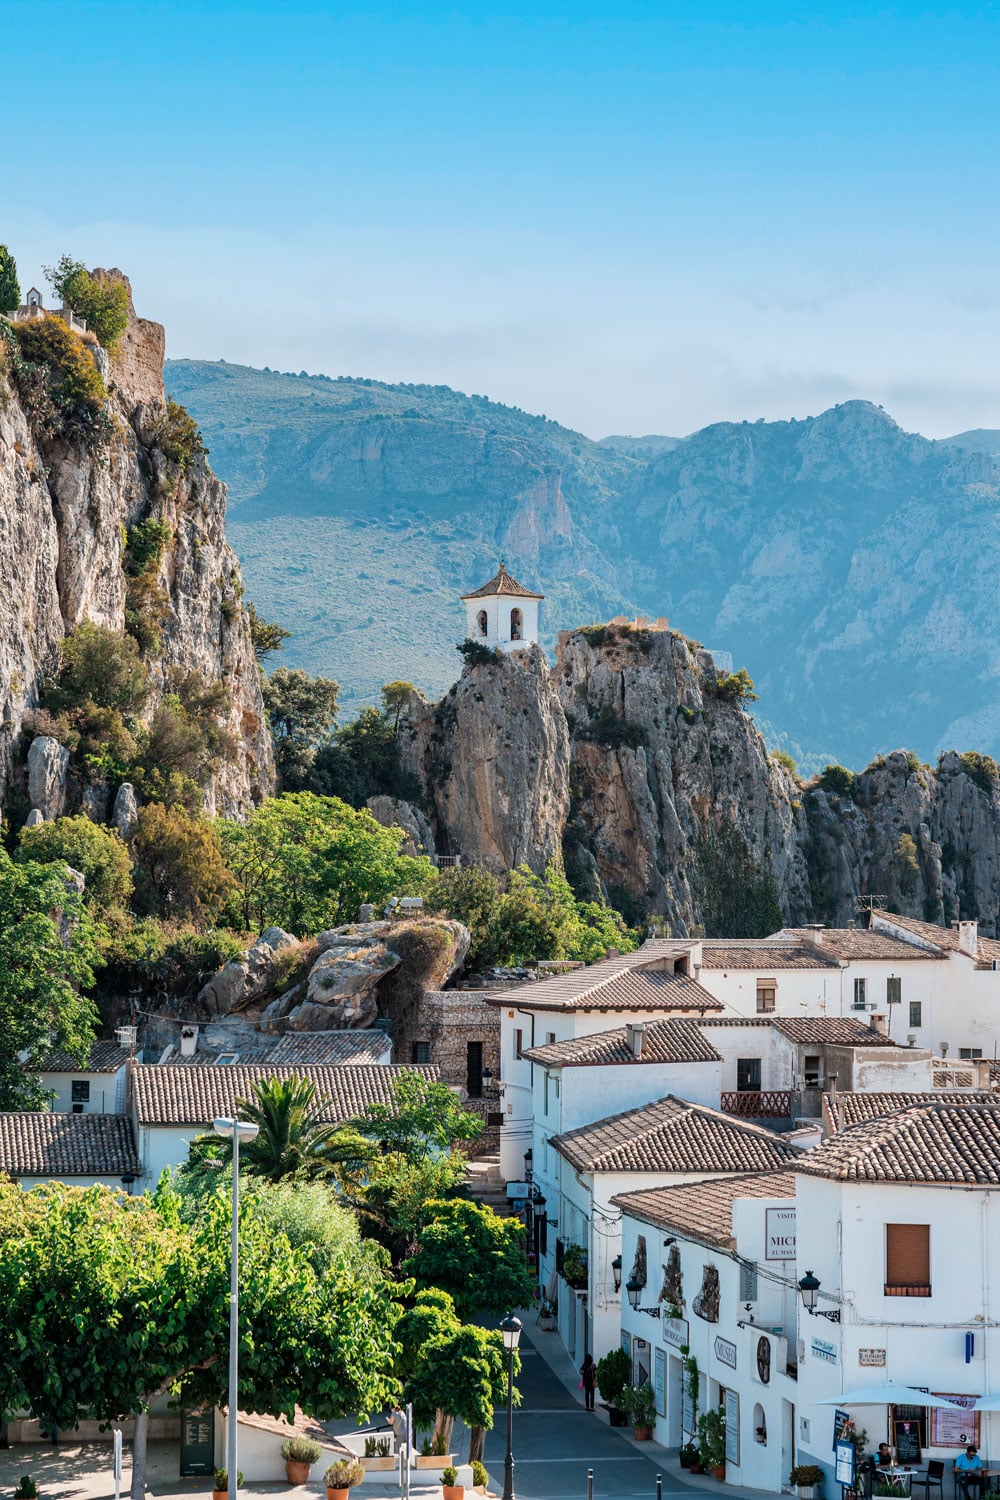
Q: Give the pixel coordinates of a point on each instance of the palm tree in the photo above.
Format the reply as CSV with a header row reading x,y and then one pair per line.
x,y
290,1140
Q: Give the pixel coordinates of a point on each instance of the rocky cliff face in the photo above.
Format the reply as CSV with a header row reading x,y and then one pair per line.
x,y
661,790
493,756
64,511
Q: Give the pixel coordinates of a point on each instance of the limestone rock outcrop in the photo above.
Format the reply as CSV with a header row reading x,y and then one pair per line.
x,y
65,509
493,758
125,810
247,978
48,764
340,990
394,812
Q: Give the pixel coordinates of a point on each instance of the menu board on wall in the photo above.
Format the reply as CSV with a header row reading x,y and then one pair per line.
x,y
660,1382
906,1441
954,1429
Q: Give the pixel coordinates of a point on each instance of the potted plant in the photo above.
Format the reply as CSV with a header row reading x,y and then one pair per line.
x,y
480,1478
712,1441
450,1487
640,1404
27,1489
300,1453
220,1483
547,1316
807,1479
893,1487
613,1373
687,1455
378,1455
340,1476
434,1455
574,1268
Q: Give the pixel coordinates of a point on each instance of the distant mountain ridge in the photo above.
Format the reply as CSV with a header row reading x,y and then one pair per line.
x,y
851,566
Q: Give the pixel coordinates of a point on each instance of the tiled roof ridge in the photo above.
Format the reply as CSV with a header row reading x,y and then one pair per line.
x,y
566,1052
834,1158
681,1107
504,583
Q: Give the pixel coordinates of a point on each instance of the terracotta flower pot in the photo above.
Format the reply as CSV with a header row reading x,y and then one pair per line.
x,y
697,1468
297,1472
642,1433
332,1494
220,1495
718,1471
453,1491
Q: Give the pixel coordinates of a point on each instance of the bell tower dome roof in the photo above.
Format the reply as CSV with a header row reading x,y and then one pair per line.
x,y
502,583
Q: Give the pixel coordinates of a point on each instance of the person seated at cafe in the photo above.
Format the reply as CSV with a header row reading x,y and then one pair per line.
x,y
970,1471
883,1458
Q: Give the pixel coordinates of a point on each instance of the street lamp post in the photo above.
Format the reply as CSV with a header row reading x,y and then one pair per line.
x,y
511,1330
236,1131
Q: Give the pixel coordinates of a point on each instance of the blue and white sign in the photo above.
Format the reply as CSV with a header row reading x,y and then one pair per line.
x,y
822,1350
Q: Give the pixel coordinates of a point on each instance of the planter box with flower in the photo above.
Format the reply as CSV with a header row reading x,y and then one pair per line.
x,y
613,1372
808,1480
378,1455
547,1316
435,1455
640,1405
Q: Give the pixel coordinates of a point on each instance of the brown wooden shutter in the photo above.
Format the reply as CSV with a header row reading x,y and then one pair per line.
x,y
908,1259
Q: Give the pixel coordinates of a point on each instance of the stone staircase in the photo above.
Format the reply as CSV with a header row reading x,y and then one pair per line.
x,y
486,1184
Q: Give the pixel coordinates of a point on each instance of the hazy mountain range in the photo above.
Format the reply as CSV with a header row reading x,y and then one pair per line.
x,y
850,566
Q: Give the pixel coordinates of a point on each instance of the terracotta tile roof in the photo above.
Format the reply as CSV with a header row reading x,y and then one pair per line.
x,y
41,1143
860,943
502,583
838,1031
673,1136
945,938
105,1057
764,955
844,1109
938,1142
344,1047
170,1095
629,982
704,1210
677,1040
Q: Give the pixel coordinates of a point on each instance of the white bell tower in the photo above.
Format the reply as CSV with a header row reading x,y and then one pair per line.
x,y
502,613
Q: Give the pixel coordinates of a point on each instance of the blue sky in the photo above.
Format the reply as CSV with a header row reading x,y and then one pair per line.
x,y
633,217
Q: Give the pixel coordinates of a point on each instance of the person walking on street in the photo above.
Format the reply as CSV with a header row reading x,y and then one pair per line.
x,y
588,1376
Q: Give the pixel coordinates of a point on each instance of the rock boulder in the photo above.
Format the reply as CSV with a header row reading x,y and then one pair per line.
x,y
48,763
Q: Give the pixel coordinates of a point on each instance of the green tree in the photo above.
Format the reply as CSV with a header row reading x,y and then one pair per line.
x,y
291,1140
424,1119
100,667
302,711
305,862
265,635
10,292
475,1256
471,894
180,873
47,956
363,760
97,852
110,1302
395,696
736,897
462,1373
102,301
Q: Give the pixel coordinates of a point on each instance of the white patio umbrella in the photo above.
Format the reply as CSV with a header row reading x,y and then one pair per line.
x,y
986,1403
889,1393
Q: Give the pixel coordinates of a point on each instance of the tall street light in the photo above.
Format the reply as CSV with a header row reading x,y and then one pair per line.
x,y
511,1330
236,1131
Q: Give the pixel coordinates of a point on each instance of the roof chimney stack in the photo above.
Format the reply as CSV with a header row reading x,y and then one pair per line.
x,y
636,1037
813,934
968,938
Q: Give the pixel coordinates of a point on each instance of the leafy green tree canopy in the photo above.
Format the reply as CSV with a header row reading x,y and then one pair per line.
x,y
475,1256
304,863
424,1118
47,957
97,852
302,711
265,635
102,301
10,291
98,666
180,873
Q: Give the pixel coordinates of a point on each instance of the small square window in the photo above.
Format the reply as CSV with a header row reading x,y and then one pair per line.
x,y
969,1054
860,993
421,1052
916,1012
519,1043
80,1091
767,992
550,1037
893,990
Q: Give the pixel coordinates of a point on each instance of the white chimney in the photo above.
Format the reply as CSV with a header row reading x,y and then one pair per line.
x,y
968,938
878,1024
635,1036
813,934
189,1041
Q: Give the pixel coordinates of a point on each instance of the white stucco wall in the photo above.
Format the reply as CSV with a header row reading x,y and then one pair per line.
x,y
107,1092
497,609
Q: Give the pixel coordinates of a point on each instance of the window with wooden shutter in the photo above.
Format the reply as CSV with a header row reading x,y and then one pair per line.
x,y
907,1260
767,991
